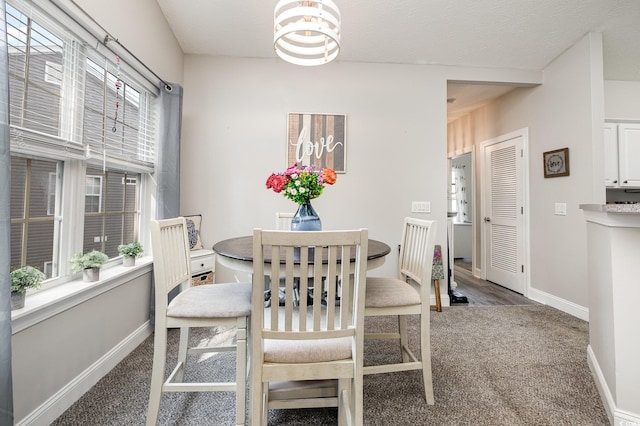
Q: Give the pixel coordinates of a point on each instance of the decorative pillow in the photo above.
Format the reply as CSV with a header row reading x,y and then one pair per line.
x,y
193,231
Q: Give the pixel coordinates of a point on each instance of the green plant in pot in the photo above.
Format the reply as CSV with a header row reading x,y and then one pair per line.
x,y
89,263
129,252
23,279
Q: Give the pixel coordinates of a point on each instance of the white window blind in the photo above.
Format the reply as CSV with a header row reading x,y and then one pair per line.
x,y
69,100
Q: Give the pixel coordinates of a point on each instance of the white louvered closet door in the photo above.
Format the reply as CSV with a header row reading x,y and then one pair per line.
x,y
503,219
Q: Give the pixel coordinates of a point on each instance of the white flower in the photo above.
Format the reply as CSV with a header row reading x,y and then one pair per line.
x,y
303,190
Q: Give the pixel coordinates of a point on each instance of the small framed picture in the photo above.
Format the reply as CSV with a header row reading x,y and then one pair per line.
x,y
556,163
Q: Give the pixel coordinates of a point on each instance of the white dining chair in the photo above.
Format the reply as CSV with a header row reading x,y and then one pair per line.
x,y
407,295
301,344
283,221
209,305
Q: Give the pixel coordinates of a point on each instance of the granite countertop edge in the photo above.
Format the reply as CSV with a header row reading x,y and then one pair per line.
x,y
612,208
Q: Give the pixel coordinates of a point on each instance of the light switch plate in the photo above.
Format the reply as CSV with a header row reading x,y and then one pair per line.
x,y
561,209
420,207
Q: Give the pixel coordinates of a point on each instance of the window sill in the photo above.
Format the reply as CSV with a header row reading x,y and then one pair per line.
x,y
44,304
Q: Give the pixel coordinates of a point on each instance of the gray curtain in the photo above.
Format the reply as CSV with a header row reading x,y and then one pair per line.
x,y
6,380
168,167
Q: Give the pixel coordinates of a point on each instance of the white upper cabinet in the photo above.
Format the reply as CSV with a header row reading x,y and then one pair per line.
x,y
629,154
611,155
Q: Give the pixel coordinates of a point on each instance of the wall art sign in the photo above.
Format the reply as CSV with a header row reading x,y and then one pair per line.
x,y
556,163
317,139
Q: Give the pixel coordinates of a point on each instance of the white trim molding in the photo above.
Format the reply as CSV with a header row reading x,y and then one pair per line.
x,y
558,303
616,417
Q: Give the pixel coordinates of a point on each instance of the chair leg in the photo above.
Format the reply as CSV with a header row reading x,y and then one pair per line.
x,y
265,404
183,349
157,374
241,369
357,399
425,349
345,407
404,337
257,401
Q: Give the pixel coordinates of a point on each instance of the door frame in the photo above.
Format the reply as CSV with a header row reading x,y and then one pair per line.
x,y
526,240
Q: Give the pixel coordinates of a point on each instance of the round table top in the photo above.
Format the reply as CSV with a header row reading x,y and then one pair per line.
x,y
241,248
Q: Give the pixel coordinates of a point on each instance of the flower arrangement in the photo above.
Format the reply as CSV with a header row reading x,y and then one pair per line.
x,y
301,183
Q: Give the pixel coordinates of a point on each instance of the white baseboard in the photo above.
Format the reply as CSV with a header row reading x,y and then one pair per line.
x,y
444,300
53,407
558,303
616,416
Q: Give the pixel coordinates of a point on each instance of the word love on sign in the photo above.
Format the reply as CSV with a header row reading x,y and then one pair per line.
x,y
305,147
317,139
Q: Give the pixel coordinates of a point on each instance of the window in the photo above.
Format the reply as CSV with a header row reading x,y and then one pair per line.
x,y
53,73
113,221
35,94
82,121
453,202
32,226
93,194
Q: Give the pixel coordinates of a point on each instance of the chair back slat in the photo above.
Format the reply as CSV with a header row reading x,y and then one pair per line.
x,y
170,245
416,250
316,261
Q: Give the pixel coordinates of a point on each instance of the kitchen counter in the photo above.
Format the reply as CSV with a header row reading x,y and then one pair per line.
x,y
612,208
613,250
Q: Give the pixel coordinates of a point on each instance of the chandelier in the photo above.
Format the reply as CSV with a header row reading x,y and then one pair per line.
x,y
307,32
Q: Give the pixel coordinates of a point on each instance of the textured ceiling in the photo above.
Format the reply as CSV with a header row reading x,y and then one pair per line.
x,y
517,34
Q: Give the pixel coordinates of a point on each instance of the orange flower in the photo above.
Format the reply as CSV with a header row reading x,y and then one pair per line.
x,y
329,176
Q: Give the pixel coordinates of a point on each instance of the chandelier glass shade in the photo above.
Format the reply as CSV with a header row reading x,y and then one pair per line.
x,y
306,32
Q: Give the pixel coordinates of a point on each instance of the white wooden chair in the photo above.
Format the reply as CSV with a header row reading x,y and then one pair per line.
x,y
283,221
408,295
209,305
306,343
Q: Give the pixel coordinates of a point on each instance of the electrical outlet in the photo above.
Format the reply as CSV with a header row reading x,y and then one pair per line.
x,y
420,207
561,209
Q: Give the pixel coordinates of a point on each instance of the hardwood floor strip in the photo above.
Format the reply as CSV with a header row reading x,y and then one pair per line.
x,y
485,293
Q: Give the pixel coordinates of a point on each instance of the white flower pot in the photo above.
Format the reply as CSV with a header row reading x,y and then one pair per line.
x,y
128,261
90,275
17,300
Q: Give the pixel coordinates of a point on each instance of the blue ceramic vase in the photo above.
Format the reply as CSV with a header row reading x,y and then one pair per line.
x,y
306,219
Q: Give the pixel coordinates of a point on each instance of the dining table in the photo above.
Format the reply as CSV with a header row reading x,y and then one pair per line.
x,y
237,253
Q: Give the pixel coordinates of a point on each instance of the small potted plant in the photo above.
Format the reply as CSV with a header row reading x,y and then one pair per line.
x,y
23,279
89,263
129,253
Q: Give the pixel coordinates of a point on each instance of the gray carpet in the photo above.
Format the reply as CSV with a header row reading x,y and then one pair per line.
x,y
498,365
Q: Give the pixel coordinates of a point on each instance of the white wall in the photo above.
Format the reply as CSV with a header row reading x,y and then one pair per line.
x,y
141,27
622,100
566,111
234,136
